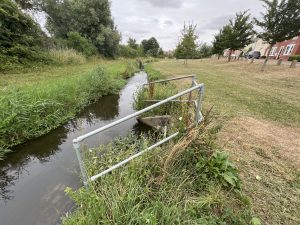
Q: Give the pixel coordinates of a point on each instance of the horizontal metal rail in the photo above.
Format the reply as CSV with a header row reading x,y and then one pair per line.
x,y
171,79
198,118
93,178
81,138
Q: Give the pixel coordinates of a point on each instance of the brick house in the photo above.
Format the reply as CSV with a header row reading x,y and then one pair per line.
x,y
285,49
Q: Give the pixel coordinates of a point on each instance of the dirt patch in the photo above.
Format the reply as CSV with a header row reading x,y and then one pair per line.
x,y
268,157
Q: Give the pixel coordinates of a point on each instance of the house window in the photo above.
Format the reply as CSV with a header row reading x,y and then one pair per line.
x,y
273,51
289,49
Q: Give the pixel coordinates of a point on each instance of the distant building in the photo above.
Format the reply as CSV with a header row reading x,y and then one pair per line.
x,y
285,49
258,45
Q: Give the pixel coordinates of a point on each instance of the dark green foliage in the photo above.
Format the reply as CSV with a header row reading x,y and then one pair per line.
x,y
204,51
132,43
242,31
218,44
295,57
80,44
128,52
150,47
218,166
281,21
21,39
187,47
90,18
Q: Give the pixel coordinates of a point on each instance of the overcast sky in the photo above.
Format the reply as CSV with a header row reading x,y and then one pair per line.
x,y
164,19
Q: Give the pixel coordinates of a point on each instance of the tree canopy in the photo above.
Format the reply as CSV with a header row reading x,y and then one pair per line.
x,y
150,47
90,18
187,47
281,21
21,38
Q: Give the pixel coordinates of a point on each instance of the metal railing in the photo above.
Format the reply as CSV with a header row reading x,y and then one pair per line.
x,y
198,117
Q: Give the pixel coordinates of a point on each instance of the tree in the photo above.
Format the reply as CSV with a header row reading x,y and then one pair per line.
x,y
150,47
239,33
218,44
187,47
204,51
132,43
90,18
21,39
280,22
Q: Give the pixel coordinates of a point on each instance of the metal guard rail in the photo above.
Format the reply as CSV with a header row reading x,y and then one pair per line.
x,y
198,117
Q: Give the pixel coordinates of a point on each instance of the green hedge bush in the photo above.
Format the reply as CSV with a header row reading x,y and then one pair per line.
x,y
294,57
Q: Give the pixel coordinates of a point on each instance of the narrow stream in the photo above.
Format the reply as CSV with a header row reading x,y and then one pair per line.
x,y
34,177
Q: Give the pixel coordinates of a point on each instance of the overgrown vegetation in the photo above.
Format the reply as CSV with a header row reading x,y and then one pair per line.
x,y
21,39
188,181
260,128
31,109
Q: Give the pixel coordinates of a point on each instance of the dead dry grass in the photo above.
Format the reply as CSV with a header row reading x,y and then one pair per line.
x,y
268,157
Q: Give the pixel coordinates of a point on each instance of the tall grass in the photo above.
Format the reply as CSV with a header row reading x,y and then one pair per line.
x,y
202,186
67,56
187,181
31,111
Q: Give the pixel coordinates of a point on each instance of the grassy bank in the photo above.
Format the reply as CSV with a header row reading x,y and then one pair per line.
x,y
188,181
259,113
34,103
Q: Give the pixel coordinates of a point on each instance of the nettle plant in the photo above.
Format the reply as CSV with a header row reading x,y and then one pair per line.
x,y
219,167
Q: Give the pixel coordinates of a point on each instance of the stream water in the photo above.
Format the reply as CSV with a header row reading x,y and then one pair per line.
x,y
34,177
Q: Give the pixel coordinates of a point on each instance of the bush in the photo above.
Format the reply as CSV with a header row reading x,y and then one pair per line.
x,y
128,52
21,39
80,44
67,56
295,57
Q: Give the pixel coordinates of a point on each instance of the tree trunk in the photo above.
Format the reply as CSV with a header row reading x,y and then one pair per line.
x,y
266,60
229,56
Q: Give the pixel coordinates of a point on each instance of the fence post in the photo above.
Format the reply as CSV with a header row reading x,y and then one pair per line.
x,y
82,169
279,61
191,95
199,103
252,60
293,64
151,90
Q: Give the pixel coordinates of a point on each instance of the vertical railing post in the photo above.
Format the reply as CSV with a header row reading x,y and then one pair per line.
x,y
199,103
151,90
191,94
82,169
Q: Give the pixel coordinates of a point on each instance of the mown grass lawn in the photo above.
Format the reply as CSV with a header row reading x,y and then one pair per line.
x,y
260,114
240,88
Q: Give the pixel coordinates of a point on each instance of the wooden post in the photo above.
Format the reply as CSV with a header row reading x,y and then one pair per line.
x,y
252,60
151,90
279,61
293,64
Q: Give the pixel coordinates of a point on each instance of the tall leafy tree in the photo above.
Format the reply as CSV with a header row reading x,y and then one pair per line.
x,y
90,18
21,38
132,43
280,21
151,47
239,32
187,47
204,50
219,43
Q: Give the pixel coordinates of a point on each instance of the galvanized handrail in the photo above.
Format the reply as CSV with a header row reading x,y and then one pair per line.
x,y
198,118
171,79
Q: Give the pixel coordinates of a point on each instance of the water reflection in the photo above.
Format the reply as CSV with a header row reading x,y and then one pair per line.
x,y
34,176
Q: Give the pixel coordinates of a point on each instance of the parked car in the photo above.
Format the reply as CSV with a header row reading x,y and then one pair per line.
x,y
253,54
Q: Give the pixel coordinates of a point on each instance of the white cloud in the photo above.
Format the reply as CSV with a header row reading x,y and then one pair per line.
x,y
164,19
